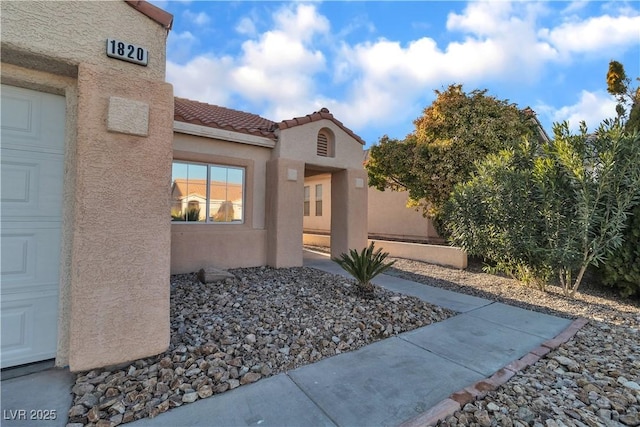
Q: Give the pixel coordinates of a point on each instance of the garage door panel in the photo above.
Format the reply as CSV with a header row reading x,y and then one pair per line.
x,y
31,185
32,120
21,113
30,257
32,168
24,339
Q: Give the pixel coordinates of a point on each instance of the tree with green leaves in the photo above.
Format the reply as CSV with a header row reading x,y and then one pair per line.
x,y
622,268
619,85
455,131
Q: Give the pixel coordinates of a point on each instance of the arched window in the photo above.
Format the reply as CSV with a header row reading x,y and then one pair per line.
x,y
325,143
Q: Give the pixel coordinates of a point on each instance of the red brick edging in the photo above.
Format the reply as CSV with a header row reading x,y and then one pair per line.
x,y
480,388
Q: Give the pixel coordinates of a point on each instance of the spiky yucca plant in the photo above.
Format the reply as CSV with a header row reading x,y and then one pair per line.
x,y
364,266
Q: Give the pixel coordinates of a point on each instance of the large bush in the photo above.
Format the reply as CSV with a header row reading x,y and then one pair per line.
x,y
622,269
491,215
557,208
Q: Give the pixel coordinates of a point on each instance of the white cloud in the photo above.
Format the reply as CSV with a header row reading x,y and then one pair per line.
x,y
498,44
203,78
385,82
246,26
591,107
301,22
199,19
597,34
274,70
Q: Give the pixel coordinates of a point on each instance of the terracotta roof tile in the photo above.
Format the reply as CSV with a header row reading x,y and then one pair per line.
x,y
162,17
318,115
200,113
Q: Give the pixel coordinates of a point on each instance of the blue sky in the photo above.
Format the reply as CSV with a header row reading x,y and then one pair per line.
x,y
375,65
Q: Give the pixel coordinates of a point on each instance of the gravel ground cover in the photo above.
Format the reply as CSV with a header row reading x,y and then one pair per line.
x,y
231,333
592,380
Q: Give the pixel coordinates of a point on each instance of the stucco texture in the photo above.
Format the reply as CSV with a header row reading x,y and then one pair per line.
x,y
196,246
73,32
300,143
119,290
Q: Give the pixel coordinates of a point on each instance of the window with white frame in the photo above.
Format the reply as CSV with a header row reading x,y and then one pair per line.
x,y
318,199
207,193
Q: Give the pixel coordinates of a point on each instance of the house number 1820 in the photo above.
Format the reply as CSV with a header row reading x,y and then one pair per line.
x,y
127,52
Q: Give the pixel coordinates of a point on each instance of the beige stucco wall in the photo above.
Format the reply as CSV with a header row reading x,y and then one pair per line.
x,y
314,223
348,204
389,217
119,288
195,246
285,193
114,293
434,254
49,34
300,143
348,210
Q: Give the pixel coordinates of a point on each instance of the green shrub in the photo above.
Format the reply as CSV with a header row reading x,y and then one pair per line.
x,y
557,209
364,266
622,269
493,215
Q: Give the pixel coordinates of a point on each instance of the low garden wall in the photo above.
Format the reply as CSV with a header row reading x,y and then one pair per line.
x,y
434,254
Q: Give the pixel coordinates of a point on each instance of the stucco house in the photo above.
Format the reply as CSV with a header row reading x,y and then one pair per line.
x,y
387,212
101,166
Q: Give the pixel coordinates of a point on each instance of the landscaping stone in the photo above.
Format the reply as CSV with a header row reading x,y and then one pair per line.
x,y
254,323
210,275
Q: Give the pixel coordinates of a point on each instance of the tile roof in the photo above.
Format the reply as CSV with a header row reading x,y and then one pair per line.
x,y
162,17
200,113
318,115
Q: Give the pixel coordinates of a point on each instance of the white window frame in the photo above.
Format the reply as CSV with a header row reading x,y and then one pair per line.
x,y
208,219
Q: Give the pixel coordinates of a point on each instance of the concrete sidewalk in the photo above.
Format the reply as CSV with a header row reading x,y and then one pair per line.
x,y
386,383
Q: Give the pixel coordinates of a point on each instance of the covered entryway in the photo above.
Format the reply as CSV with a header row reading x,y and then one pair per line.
x,y
32,183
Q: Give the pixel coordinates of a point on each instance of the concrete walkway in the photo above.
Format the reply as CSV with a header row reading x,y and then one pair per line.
x,y
385,383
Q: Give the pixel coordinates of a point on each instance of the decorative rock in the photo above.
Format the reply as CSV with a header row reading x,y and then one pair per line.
x,y
88,400
94,414
492,407
222,387
77,411
250,377
568,363
82,388
221,344
482,417
190,397
116,419
211,275
631,385
630,419
117,408
204,391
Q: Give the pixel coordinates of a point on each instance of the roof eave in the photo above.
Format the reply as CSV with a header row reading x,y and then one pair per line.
x,y
158,15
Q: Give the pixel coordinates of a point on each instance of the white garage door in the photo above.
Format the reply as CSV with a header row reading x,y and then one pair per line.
x,y
31,204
